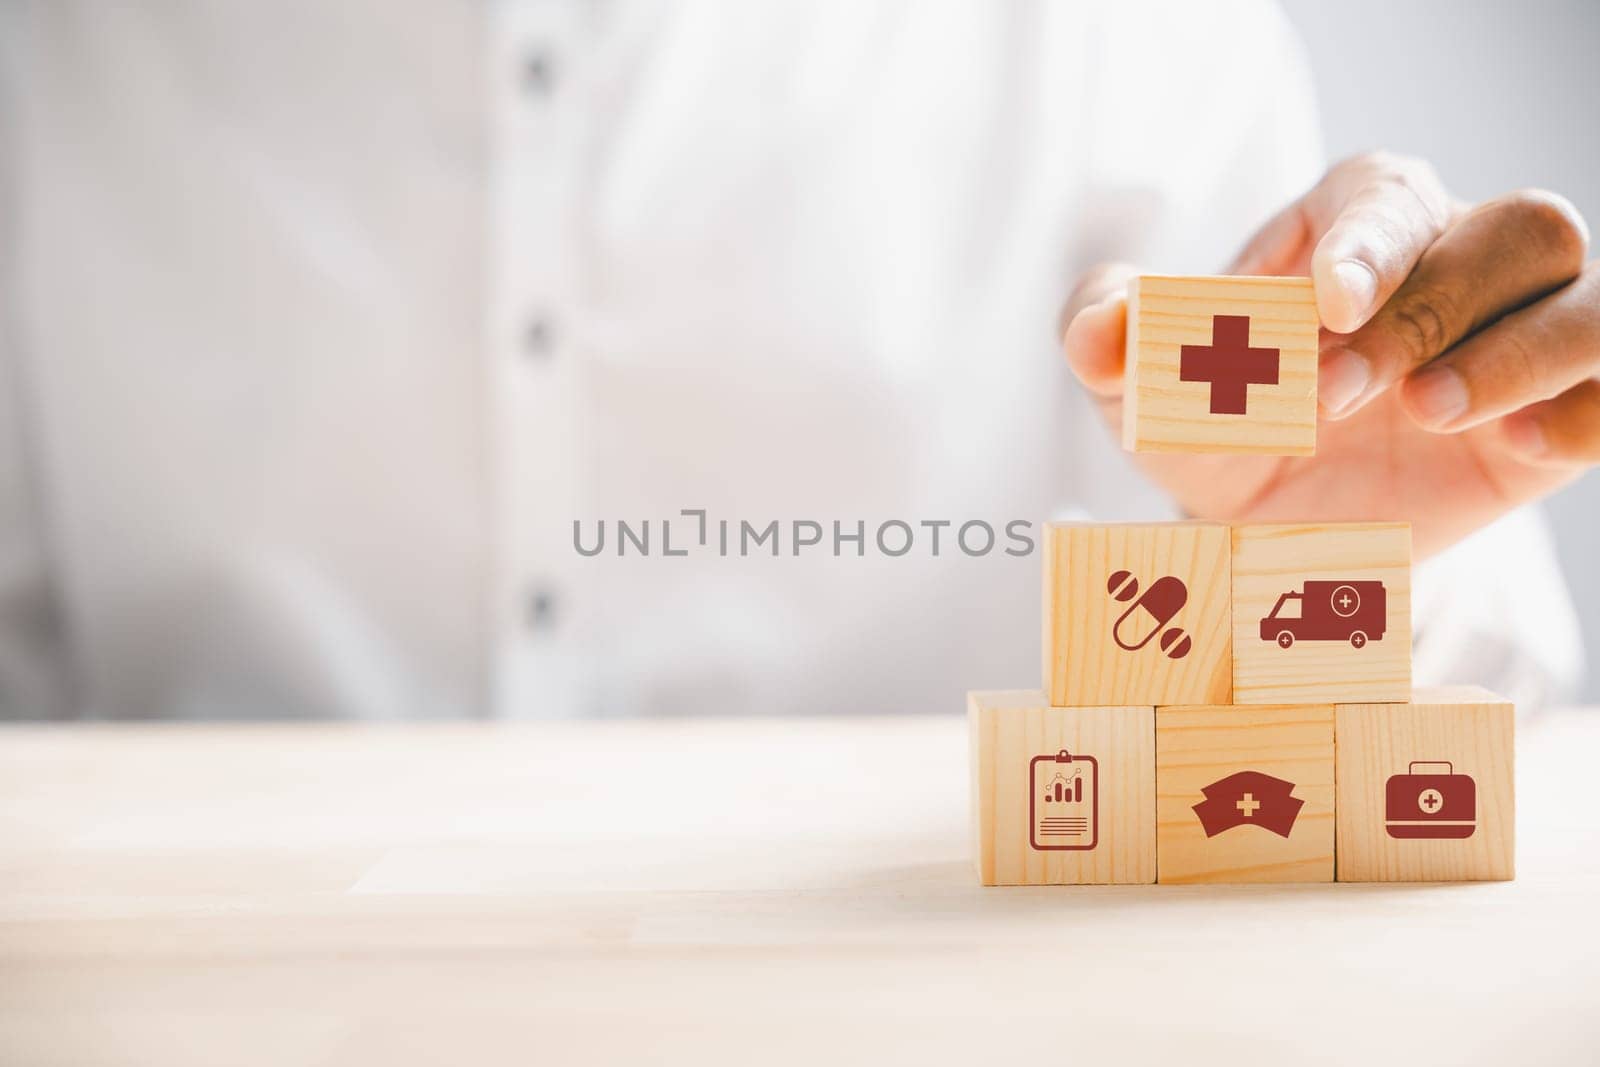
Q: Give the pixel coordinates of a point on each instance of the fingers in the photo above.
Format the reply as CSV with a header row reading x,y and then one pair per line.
x,y
1502,255
1561,432
1376,215
1530,355
1363,227
1095,331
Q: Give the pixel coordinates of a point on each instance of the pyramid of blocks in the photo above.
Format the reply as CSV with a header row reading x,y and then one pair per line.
x,y
1233,703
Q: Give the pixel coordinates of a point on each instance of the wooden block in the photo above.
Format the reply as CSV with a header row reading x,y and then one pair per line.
x,y
1136,614
1427,790
1221,365
1244,794
1322,613
1099,762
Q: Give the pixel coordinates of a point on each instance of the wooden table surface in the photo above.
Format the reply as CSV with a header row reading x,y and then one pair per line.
x,y
741,891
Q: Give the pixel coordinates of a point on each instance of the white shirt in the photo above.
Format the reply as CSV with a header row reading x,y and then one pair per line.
x,y
324,321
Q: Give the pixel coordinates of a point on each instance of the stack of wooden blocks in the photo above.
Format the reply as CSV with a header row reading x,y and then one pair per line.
x,y
1234,703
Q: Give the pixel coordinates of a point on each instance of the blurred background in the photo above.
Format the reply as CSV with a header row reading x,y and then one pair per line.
x,y
1492,94
321,323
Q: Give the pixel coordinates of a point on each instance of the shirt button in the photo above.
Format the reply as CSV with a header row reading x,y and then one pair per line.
x,y
538,338
541,608
538,73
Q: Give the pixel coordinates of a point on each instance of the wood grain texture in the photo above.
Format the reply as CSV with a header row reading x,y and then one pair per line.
x,y
1471,729
1164,414
1083,663
1008,730
1271,560
1197,746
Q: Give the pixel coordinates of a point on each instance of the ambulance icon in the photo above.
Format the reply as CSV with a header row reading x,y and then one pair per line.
x,y
1354,611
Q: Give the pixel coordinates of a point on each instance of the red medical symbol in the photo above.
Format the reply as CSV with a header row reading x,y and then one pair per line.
x,y
1228,363
1249,798
1320,610
1431,802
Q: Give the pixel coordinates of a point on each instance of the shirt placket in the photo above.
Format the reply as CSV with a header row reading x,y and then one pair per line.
x,y
534,150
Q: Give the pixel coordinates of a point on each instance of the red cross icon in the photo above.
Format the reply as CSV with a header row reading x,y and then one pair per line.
x,y
1228,363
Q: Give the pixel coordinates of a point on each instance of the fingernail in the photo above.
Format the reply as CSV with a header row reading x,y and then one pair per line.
x,y
1437,397
1525,436
1360,286
1342,378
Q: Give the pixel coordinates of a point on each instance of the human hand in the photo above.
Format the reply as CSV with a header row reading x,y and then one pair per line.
x,y
1460,356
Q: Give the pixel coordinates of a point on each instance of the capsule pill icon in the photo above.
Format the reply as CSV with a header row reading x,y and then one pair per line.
x,y
1149,613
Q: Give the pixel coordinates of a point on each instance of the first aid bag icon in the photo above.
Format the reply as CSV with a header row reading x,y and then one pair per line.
x,y
1430,801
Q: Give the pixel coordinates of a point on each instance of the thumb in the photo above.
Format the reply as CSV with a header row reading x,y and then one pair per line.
x,y
1094,328
1359,231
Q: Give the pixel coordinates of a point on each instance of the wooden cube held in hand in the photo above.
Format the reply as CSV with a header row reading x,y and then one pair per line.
x,y
1217,364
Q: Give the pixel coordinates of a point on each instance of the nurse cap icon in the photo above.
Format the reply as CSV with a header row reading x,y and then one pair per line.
x,y
1161,602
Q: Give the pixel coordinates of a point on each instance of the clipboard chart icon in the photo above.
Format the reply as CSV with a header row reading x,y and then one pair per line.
x,y
1063,802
